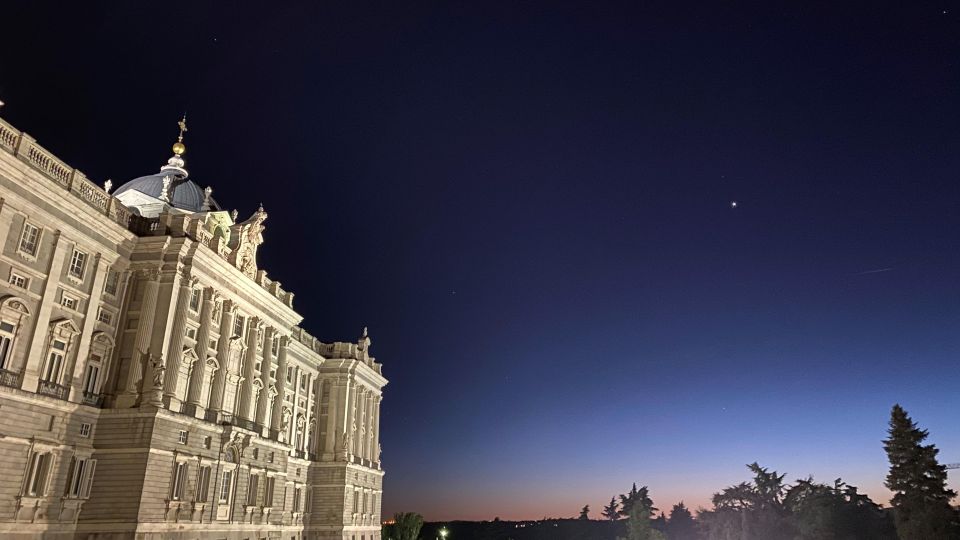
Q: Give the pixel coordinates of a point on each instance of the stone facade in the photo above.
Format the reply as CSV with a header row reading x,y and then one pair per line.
x,y
154,383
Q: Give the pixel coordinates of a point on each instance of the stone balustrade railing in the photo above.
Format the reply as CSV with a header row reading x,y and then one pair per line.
x,y
25,148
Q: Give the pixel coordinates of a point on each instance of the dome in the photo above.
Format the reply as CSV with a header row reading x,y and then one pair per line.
x,y
185,194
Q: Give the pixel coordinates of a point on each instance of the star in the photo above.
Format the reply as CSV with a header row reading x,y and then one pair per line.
x,y
733,204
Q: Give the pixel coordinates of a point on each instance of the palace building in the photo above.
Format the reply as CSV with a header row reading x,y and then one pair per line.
x,y
154,382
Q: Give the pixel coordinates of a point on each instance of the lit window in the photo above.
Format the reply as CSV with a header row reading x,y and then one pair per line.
x,y
195,300
7,331
183,436
225,483
68,302
179,480
51,373
78,264
105,316
29,239
82,478
85,430
18,281
39,466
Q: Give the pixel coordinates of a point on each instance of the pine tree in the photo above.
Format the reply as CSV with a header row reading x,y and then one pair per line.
x,y
921,500
611,511
584,512
638,523
681,526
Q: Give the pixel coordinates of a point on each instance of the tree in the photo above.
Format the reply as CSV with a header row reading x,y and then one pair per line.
x,y
633,496
921,500
638,522
750,511
584,512
611,511
819,511
405,526
680,525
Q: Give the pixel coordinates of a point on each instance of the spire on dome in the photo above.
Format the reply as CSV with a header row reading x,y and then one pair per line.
x,y
176,162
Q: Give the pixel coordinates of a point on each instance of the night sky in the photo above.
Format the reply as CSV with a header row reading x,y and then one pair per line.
x,y
530,207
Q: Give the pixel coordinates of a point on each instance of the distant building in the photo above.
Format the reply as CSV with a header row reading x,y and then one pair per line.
x,y
154,382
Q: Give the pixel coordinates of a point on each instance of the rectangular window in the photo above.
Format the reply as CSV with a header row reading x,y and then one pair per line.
x,y
252,490
68,302
191,332
290,374
275,345
296,499
203,484
29,239
183,436
238,324
6,344
195,300
213,343
91,374
268,494
55,362
78,264
18,281
179,480
356,501
82,479
37,473
303,382
85,430
225,484
112,282
105,316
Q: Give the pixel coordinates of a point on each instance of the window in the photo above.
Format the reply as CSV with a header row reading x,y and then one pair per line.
x,y
268,494
179,480
252,490
195,300
18,281
356,501
275,346
303,381
203,484
183,436
39,467
55,362
192,332
85,430
82,478
256,453
258,365
270,457
78,264
112,282
92,374
207,442
7,331
29,239
213,343
290,374
296,498
105,316
226,480
68,302
238,324
132,323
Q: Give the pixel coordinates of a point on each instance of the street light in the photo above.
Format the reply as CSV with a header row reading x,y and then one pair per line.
x,y
443,533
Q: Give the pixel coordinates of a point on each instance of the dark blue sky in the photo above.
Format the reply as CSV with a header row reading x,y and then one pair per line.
x,y
529,206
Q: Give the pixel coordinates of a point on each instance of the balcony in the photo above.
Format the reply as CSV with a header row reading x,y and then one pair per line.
x,y
51,389
92,399
9,378
210,415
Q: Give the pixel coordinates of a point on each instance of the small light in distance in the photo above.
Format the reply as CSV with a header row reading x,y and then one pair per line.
x,y
733,204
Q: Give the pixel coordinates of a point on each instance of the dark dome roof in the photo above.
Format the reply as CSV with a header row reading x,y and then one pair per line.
x,y
186,194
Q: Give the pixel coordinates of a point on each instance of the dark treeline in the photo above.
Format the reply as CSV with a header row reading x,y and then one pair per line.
x,y
765,507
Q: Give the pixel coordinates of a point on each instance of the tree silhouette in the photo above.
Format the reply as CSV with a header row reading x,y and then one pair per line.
x,y
405,526
584,512
680,525
921,500
612,511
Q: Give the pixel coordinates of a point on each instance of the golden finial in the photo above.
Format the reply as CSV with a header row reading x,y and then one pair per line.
x,y
178,147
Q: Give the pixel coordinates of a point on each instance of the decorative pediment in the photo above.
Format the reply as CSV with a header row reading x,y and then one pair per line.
x,y
244,240
16,304
103,338
65,326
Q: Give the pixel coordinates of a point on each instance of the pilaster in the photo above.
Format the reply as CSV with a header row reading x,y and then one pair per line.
x,y
41,323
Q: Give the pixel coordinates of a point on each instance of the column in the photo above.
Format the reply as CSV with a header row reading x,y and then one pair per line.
x,y
263,403
100,268
368,441
175,349
308,415
228,314
246,388
150,276
376,428
277,414
329,446
41,323
197,374
350,398
361,433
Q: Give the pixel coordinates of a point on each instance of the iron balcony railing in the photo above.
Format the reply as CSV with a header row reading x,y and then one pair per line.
x,y
52,389
92,399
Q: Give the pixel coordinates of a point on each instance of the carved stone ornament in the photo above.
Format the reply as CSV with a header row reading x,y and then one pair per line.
x,y
159,369
149,273
245,238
